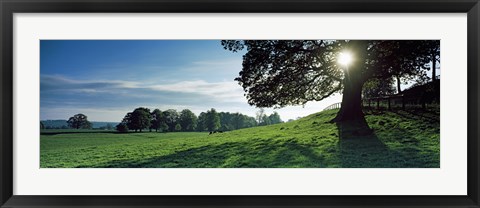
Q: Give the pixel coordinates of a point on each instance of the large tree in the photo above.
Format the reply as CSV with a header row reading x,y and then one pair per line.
x,y
138,120
171,118
212,120
226,121
201,121
158,120
278,73
187,120
79,121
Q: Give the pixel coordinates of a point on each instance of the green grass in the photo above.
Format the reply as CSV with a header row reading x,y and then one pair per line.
x,y
400,139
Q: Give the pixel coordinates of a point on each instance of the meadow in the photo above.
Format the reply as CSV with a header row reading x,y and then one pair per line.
x,y
400,139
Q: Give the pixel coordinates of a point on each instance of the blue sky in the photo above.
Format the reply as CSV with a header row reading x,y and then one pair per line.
x,y
105,79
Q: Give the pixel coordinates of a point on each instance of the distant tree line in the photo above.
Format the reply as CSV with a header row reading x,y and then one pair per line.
x,y
264,119
78,120
186,121
171,121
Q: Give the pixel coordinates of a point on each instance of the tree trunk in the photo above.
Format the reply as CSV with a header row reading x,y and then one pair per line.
x,y
436,86
353,81
351,108
399,89
434,66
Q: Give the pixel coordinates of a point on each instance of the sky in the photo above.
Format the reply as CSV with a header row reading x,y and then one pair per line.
x,y
105,79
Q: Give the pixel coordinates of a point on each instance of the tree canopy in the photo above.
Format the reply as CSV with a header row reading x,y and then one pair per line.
x,y
187,120
158,121
212,120
139,119
79,121
171,118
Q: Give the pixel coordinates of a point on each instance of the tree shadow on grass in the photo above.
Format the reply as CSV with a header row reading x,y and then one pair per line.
x,y
360,147
429,116
263,153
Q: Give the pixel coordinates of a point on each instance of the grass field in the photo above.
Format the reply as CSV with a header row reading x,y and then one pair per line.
x,y
401,139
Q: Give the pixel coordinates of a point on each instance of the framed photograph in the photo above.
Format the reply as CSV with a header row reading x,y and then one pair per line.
x,y
239,104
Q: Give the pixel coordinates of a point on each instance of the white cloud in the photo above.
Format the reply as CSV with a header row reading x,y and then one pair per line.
x,y
223,91
227,91
56,82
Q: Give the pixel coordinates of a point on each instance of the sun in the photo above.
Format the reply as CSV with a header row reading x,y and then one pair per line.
x,y
345,58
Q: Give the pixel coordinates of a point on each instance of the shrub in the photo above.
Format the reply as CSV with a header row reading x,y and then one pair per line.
x,y
122,128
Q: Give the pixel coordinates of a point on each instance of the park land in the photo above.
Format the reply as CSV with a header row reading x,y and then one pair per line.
x,y
400,138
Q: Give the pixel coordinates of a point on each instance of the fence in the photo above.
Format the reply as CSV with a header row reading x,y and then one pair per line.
x,y
422,96
333,106
400,101
391,102
386,102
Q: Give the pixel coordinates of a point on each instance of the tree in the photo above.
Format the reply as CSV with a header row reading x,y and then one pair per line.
x,y
422,52
138,120
260,116
41,125
178,127
127,120
201,121
212,120
265,120
279,73
164,127
274,118
171,119
433,48
122,128
187,120
88,125
238,120
378,88
158,121
226,121
79,121
249,122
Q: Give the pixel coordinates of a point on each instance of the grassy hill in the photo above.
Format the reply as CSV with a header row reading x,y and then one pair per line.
x,y
400,139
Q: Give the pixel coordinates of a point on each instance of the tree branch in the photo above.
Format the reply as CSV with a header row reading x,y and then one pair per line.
x,y
339,87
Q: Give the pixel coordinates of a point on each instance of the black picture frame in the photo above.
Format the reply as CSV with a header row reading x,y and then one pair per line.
x,y
9,7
